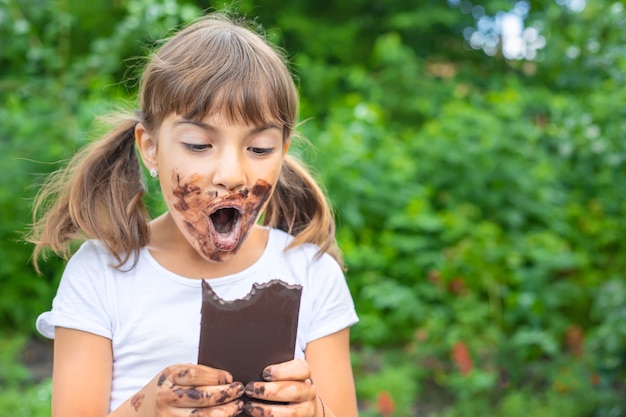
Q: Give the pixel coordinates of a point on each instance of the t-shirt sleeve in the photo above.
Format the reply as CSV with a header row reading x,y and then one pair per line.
x,y
80,301
332,307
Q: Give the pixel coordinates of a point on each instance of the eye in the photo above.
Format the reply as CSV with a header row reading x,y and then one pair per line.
x,y
260,151
197,147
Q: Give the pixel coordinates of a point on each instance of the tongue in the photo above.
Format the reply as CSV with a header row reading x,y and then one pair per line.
x,y
225,242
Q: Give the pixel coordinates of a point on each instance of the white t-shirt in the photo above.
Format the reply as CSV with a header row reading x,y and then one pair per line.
x,y
152,315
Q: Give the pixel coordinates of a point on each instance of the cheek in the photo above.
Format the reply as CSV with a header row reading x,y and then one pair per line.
x,y
189,195
270,174
169,194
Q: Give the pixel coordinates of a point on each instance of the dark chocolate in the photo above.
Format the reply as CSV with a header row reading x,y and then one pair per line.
x,y
246,335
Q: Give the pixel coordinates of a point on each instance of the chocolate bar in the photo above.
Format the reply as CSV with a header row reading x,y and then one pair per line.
x,y
246,335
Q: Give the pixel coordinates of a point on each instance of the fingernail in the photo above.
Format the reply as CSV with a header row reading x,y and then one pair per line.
x,y
238,385
248,408
249,388
267,374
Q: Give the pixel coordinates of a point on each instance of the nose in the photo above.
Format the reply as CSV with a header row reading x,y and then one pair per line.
x,y
229,173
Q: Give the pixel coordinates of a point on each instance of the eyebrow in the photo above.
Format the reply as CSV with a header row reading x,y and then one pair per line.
x,y
211,128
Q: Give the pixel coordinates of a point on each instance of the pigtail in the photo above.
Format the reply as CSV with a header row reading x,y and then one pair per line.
x,y
98,195
300,207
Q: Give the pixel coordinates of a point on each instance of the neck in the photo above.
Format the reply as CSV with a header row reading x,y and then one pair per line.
x,y
172,251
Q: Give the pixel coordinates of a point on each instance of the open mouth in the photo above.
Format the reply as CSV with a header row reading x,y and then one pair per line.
x,y
225,228
225,219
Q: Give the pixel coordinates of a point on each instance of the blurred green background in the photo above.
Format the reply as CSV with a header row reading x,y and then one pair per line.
x,y
473,149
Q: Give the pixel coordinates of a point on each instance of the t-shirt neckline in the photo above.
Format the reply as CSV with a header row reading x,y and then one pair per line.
x,y
227,279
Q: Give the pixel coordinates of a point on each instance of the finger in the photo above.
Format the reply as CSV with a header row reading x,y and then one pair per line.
x,y
294,370
281,391
231,409
255,409
191,375
196,397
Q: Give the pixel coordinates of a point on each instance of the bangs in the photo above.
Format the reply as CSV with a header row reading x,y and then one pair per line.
x,y
220,69
245,99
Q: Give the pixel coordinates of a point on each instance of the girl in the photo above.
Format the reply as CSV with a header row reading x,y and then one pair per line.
x,y
218,110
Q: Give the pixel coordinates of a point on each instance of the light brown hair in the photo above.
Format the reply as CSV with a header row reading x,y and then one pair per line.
x,y
213,65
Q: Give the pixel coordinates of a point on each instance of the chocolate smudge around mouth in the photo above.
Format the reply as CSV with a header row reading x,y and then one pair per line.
x,y
183,192
261,188
218,224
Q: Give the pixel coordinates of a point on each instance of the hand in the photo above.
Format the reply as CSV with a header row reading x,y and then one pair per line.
x,y
192,390
288,382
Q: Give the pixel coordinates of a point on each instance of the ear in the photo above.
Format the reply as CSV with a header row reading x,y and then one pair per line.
x,y
147,146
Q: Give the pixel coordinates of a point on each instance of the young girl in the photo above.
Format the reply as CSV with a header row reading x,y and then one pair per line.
x,y
218,110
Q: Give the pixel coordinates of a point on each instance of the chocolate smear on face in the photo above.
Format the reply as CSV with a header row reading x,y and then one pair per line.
x,y
218,224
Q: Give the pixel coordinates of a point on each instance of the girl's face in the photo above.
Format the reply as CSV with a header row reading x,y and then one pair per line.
x,y
216,177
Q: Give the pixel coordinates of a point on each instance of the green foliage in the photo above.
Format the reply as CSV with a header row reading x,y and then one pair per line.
x,y
52,86
12,372
33,401
491,218
19,396
395,380
608,340
480,201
